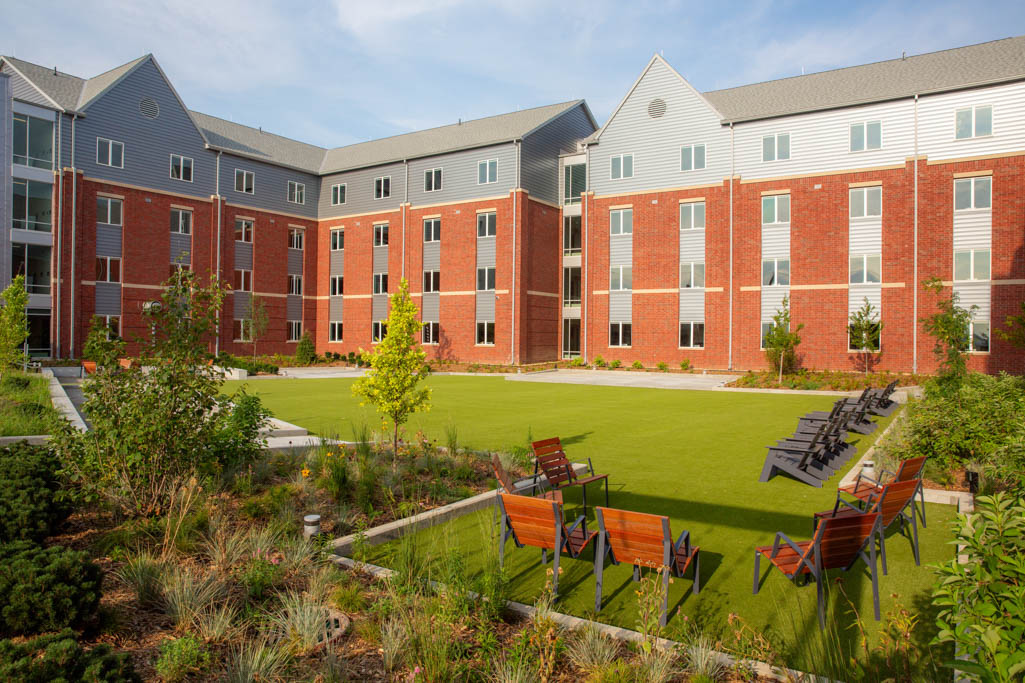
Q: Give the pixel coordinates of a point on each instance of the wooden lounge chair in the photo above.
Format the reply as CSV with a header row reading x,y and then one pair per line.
x,y
539,523
641,539
559,472
864,486
891,502
839,542
509,486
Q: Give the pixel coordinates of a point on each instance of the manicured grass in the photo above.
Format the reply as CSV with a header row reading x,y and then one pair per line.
x,y
25,408
694,456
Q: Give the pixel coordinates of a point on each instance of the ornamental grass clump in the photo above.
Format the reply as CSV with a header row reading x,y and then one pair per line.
x,y
187,592
144,574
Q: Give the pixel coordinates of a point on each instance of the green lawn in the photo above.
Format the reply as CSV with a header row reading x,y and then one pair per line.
x,y
25,407
692,455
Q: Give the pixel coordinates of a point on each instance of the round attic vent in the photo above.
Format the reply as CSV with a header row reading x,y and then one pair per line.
x,y
657,108
149,108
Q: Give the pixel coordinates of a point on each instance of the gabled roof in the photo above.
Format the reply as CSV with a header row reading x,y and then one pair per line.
x,y
258,144
465,135
96,86
60,88
958,68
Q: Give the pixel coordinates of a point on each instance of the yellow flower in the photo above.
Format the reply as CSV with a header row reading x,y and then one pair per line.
x,y
305,472
329,454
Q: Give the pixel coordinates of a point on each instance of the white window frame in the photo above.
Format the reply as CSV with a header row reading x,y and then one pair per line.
x,y
618,276
775,199
380,189
692,268
693,158
296,193
335,330
621,326
691,324
176,226
621,213
864,136
245,279
295,284
971,265
109,201
858,197
775,271
110,145
380,283
490,221
296,238
974,123
339,191
435,233
477,333
294,330
338,236
337,285
692,216
864,268
381,235
974,181
765,328
775,148
971,336
487,166
622,166
430,332
182,165
490,278
246,175
434,174
378,331
248,227
431,281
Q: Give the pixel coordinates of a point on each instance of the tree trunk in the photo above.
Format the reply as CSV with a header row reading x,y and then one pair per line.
x,y
781,367
395,446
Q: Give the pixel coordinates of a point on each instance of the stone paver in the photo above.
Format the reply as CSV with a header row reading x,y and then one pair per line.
x,y
613,378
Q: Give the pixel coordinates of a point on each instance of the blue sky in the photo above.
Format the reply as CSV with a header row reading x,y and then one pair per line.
x,y
334,72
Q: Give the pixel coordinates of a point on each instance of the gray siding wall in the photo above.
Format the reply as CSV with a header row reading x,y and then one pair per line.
x,y
270,186
486,255
148,142
108,298
295,261
692,301
692,305
975,294
381,259
621,250
337,265
486,252
108,241
865,237
432,255
181,248
974,230
20,89
775,244
486,306
459,175
6,190
335,307
243,255
294,307
241,304
620,307
539,154
359,191
430,308
379,307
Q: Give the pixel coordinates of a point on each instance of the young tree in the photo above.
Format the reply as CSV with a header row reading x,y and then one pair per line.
x,y
949,326
397,367
13,324
259,320
865,328
781,342
101,346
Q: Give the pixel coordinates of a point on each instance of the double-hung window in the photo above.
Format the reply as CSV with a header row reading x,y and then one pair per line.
x,y
775,272
108,269
775,209
692,275
621,221
692,335
296,192
432,230
865,269
380,283
245,181
432,281
432,180
181,221
866,135
337,285
335,331
692,216
485,279
776,147
110,153
337,240
382,187
620,334
381,235
295,285
295,238
295,330
971,264
621,278
181,168
866,201
621,166
487,171
973,193
487,224
243,280
692,157
973,122
337,194
108,211
431,332
244,230
485,333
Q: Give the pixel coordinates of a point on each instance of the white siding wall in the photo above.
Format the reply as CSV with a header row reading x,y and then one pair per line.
x,y
974,230
775,244
865,236
692,301
936,122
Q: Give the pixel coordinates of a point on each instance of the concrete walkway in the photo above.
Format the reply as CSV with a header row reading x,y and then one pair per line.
x,y
613,378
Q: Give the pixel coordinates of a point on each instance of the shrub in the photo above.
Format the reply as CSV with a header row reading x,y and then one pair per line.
x,y
578,362
782,340
45,589
59,657
637,365
685,364
260,573
29,505
305,352
181,657
250,365
599,362
662,367
615,364
238,441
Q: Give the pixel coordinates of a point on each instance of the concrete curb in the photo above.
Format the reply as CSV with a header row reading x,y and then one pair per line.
x,y
59,399
35,439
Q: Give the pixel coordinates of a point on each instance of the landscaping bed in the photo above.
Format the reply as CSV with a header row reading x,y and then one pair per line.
x,y
825,380
25,407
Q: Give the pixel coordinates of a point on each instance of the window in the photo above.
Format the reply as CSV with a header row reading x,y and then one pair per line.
x,y
619,334
295,285
621,278
245,181
866,201
337,285
110,153
431,332
621,221
574,183
766,328
335,331
176,268
867,135
487,171
971,264
108,211
243,230
32,261
108,269
432,281
692,157
571,289
113,325
485,279
296,192
381,235
432,180
295,238
776,209
487,224
181,168
242,330
32,208
33,141
776,147
775,272
973,122
295,330
692,335
692,275
243,280
978,336
859,344
485,333
382,187
337,240
570,337
865,269
378,331
337,194
181,221
571,235
692,216
622,166
973,193
380,283
432,230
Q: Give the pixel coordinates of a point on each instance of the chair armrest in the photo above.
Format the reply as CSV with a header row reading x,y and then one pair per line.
x,y
841,501
683,539
862,477
776,546
574,525
590,466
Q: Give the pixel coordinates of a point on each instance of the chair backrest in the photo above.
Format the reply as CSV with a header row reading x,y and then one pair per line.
x,y
910,469
888,391
502,474
894,497
533,520
838,540
553,461
865,394
636,537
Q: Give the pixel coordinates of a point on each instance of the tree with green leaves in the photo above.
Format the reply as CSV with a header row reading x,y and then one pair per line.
x,y
397,367
781,342
13,324
1014,331
259,320
865,328
101,346
949,326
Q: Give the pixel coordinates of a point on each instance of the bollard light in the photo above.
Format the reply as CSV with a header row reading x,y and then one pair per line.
x,y
311,526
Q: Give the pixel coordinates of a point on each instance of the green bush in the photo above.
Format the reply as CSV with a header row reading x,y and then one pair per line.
x,y
29,505
662,367
305,352
616,364
59,657
637,365
180,658
250,365
599,362
45,589
238,442
685,364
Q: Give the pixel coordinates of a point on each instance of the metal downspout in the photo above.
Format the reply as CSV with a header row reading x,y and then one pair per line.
x,y
405,201
585,294
914,304
56,299
512,290
217,265
733,161
74,212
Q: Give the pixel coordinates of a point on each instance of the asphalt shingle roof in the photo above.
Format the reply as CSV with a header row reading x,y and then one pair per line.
x,y
62,88
259,144
993,62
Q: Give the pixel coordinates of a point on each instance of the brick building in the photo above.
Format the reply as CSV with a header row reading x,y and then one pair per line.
x,y
684,220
